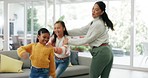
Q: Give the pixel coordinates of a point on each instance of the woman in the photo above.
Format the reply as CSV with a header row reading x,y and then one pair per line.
x,y
96,35
61,51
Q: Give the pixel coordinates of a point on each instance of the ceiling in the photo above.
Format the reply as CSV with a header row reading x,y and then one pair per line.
x,y
40,2
71,1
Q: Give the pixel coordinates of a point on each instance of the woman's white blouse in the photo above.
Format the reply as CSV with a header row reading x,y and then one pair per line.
x,y
95,34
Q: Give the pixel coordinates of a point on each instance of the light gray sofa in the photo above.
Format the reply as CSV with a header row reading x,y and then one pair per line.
x,y
75,71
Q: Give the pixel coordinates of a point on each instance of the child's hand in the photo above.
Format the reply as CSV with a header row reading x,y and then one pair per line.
x,y
24,55
67,53
55,49
65,42
49,43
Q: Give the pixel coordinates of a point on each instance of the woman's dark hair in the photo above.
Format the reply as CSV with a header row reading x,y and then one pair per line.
x,y
41,31
64,33
104,15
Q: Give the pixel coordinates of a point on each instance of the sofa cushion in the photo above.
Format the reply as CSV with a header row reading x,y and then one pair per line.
x,y
76,70
25,74
12,54
26,62
8,64
70,64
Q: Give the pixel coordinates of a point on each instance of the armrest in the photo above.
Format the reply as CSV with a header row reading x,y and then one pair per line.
x,y
84,60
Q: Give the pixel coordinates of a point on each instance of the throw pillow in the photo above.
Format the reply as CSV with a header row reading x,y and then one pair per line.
x,y
8,64
74,58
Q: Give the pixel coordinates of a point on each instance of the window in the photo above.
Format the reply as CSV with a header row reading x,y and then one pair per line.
x,y
1,24
120,15
76,15
141,34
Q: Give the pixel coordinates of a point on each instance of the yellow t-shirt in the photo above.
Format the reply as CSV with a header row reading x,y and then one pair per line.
x,y
40,55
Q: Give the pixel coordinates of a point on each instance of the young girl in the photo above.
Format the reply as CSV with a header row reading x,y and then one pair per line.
x,y
62,51
41,56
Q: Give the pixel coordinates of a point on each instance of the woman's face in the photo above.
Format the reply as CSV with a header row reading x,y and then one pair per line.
x,y
58,29
96,11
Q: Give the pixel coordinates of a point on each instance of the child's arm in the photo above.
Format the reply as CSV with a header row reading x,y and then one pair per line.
x,y
21,51
24,55
60,50
52,64
65,49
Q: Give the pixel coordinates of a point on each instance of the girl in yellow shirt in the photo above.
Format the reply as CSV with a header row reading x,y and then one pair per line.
x,y
41,56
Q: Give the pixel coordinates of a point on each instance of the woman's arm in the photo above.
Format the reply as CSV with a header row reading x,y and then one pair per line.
x,y
79,31
94,31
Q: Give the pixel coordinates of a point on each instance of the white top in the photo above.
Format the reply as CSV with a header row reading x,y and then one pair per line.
x,y
95,34
65,51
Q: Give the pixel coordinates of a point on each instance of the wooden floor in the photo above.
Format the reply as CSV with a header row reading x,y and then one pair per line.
x,y
124,73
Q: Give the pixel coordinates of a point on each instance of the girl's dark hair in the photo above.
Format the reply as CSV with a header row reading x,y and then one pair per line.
x,y
64,33
41,31
104,15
